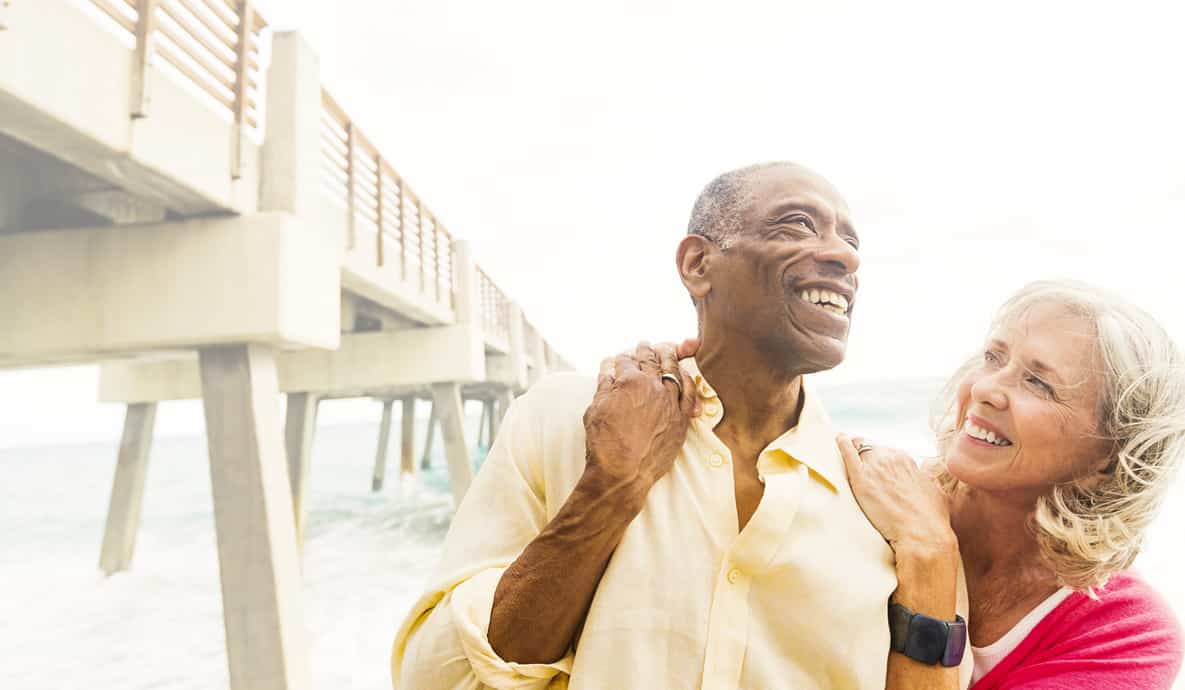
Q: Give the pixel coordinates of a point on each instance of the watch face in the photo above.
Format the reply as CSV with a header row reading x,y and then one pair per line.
x,y
956,644
926,641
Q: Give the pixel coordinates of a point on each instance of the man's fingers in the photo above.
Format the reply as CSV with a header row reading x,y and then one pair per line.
x,y
851,459
606,375
690,402
688,348
647,358
670,365
623,364
666,358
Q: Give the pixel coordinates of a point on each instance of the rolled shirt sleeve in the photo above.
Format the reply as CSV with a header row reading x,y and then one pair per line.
x,y
443,643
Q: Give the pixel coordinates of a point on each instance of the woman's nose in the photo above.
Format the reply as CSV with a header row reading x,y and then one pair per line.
x,y
989,390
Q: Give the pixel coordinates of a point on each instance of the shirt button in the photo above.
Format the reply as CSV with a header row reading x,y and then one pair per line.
x,y
733,576
711,410
716,461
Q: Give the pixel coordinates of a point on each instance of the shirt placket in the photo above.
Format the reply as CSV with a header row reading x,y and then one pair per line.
x,y
752,552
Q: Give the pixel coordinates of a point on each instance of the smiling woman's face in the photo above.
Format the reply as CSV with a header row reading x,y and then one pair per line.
x,y
1029,411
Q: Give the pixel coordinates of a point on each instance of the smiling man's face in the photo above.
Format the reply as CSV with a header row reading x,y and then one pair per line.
x,y
788,279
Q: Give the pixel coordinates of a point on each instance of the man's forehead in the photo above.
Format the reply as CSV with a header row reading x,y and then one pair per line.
x,y
791,184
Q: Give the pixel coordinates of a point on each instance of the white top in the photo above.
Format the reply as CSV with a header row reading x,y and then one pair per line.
x,y
987,657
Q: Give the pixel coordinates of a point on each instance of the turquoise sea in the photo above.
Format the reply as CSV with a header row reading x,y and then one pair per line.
x,y
64,626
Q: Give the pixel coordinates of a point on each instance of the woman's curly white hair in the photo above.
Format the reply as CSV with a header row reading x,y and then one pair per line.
x,y
1087,529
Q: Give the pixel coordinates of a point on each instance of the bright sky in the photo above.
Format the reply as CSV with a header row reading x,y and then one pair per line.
x,y
979,147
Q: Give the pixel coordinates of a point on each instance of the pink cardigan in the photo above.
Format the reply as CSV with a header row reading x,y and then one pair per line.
x,y
1128,639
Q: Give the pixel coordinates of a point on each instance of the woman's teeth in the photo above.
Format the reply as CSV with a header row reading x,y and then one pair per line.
x,y
984,435
832,302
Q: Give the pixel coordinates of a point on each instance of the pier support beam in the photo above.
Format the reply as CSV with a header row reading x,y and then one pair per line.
x,y
299,429
407,460
380,458
261,594
426,461
505,399
127,492
492,419
481,423
447,398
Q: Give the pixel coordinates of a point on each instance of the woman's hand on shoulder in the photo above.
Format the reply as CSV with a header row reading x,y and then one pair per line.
x,y
898,496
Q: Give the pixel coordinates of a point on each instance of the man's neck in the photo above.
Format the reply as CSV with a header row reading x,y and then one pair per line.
x,y
760,402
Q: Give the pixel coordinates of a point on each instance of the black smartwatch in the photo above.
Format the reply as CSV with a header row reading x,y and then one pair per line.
x,y
928,640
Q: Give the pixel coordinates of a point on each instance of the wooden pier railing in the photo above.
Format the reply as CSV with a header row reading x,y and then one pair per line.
x,y
495,308
214,45
379,203
206,41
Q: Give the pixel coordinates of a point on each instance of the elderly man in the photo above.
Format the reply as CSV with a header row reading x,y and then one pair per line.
x,y
706,541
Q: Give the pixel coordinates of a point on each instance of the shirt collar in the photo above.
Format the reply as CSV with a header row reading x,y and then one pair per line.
x,y
811,442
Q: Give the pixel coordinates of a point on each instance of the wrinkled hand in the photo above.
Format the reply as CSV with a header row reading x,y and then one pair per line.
x,y
638,420
897,496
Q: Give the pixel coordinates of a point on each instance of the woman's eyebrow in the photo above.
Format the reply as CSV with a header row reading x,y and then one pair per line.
x,y
1039,367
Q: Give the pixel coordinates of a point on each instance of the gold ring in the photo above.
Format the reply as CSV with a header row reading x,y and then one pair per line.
x,y
666,376
862,447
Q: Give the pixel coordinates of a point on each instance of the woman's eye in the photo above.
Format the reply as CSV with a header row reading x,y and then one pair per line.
x,y
1044,387
991,357
852,241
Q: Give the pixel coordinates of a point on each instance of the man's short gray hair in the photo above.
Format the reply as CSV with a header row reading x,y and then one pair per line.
x,y
718,213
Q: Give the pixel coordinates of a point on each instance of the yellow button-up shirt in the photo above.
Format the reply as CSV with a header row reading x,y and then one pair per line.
x,y
795,600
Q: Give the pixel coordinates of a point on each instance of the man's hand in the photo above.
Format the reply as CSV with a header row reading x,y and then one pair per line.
x,y
635,427
638,418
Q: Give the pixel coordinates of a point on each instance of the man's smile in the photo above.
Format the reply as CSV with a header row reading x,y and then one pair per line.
x,y
824,307
831,301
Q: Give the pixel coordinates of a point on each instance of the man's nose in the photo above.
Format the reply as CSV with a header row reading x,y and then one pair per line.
x,y
839,253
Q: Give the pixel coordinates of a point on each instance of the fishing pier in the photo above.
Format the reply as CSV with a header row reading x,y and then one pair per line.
x,y
183,202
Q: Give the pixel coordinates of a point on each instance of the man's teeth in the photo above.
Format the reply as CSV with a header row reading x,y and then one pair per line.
x,y
832,302
984,435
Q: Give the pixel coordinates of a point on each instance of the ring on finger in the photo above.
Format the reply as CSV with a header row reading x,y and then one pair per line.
x,y
862,447
667,376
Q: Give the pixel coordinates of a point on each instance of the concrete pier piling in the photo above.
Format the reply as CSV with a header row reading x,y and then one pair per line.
x,y
447,397
407,438
127,491
492,421
253,516
481,425
299,428
429,434
380,458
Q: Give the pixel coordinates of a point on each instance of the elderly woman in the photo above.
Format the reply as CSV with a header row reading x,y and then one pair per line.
x,y
1057,446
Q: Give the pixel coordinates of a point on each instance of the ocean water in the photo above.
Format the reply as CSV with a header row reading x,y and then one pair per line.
x,y
64,626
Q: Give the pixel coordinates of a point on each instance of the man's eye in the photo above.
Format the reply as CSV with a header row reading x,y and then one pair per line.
x,y
852,241
801,221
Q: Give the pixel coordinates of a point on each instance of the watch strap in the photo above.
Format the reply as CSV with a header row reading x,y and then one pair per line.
x,y
925,639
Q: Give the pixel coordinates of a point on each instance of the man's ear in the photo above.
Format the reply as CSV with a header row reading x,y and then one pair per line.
x,y
693,258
